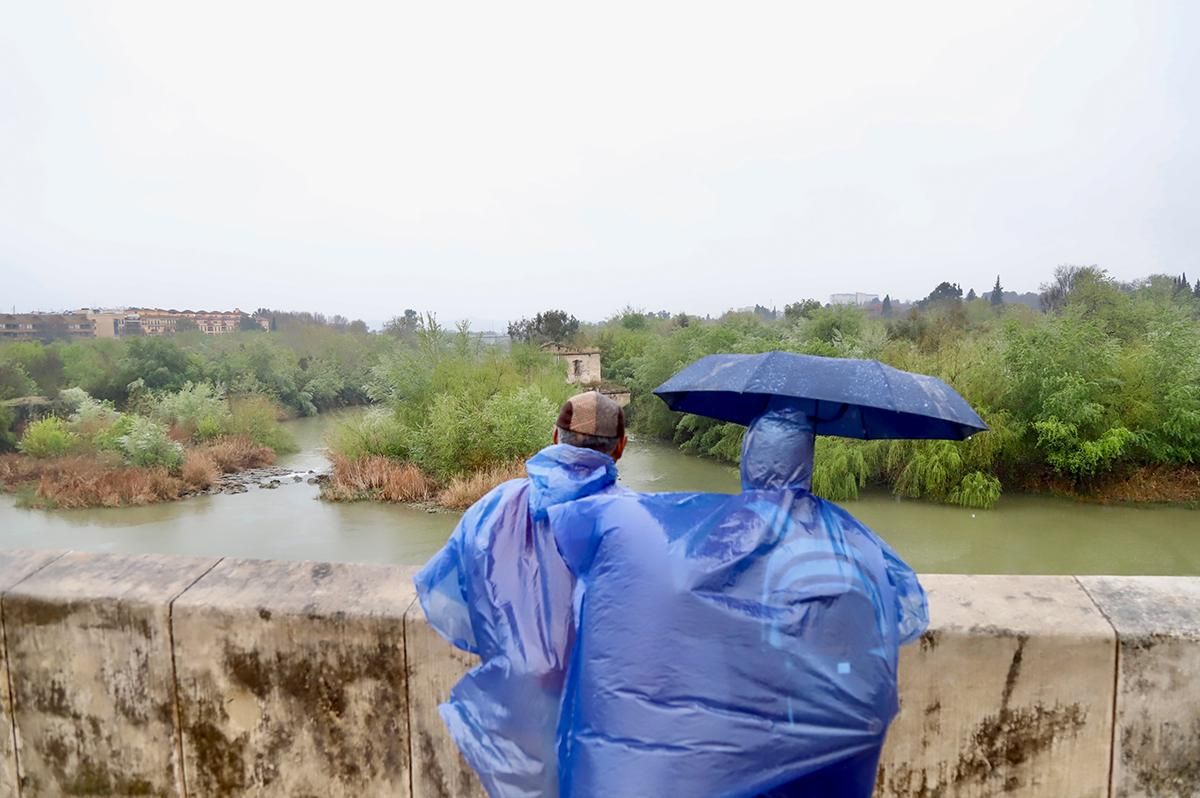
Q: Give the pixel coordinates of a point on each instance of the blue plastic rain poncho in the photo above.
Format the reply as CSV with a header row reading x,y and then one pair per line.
x,y
500,590
731,645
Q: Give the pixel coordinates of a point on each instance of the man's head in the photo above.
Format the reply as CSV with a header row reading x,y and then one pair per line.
x,y
592,421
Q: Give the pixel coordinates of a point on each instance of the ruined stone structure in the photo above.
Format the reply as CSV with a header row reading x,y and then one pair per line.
x,y
583,368
173,676
583,365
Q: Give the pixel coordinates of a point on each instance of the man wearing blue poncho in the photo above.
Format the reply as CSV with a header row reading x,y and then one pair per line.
x,y
499,589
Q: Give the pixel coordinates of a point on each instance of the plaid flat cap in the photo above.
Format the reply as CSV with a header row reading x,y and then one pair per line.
x,y
592,413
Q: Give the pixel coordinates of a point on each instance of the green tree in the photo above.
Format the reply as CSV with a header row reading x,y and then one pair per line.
x,y
403,327
971,296
801,310
14,382
161,363
549,325
945,293
997,294
886,308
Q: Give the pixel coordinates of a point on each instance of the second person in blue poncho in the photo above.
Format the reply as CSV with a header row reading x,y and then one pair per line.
x,y
731,646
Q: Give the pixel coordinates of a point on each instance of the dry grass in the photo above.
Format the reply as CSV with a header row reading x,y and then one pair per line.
x,y
377,478
1178,484
462,492
233,454
1140,485
70,482
199,470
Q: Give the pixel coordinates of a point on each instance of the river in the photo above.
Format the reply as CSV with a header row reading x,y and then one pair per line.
x,y
1022,535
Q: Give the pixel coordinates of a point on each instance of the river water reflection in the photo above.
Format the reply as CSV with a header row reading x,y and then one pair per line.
x,y
1024,534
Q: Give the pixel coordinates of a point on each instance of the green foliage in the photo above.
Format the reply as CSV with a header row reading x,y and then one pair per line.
x,y
47,437
378,431
257,417
108,439
14,382
197,409
550,325
148,444
8,441
701,435
39,362
1108,379
459,436
161,363
91,418
978,490
840,469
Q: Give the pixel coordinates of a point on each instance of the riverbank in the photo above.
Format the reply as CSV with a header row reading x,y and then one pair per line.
x,y
103,479
383,479
1177,486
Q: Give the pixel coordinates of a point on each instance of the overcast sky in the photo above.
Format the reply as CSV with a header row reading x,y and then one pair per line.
x,y
489,161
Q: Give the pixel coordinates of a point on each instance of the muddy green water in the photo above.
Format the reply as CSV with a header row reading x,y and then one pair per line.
x,y
1023,535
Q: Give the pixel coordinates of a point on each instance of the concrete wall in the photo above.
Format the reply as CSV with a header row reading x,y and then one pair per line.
x,y
172,676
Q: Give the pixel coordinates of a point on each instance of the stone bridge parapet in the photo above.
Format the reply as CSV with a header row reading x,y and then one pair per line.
x,y
149,675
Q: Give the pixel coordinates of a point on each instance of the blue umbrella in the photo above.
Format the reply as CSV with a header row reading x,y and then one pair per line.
x,y
850,398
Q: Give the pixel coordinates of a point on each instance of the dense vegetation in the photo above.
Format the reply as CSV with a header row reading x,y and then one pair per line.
x,y
1094,392
1103,386
450,411
164,445
305,365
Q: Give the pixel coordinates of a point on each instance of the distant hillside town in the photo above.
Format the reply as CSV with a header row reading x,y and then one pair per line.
x,y
124,322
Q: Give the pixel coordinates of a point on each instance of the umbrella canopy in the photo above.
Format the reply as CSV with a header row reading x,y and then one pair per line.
x,y
850,398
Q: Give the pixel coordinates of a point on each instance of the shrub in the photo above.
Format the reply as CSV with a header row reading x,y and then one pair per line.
x,y
93,418
375,432
515,425
47,437
108,439
148,444
8,441
257,418
461,436
72,398
196,408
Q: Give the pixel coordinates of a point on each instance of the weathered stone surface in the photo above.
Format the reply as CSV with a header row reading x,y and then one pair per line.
x,y
1157,739
15,565
1008,693
89,654
439,771
292,679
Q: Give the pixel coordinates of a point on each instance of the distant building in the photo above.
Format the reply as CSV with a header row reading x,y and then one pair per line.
x,y
113,323
155,321
45,326
858,300
583,368
583,365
